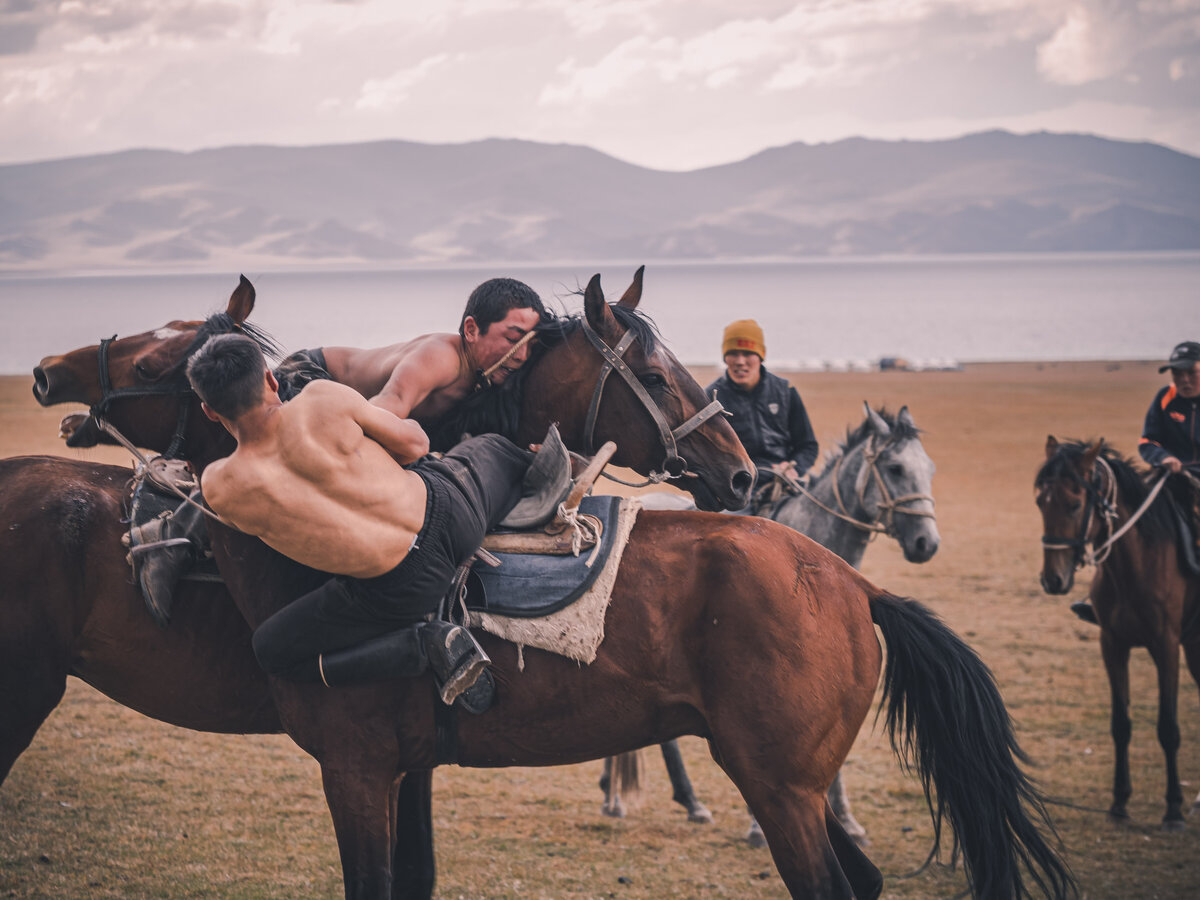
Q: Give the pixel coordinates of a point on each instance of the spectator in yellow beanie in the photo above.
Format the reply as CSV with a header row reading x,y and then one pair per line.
x,y
765,411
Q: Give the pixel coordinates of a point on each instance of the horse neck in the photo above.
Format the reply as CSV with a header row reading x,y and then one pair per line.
x,y
799,512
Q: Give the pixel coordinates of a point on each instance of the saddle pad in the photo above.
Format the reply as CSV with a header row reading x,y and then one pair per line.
x,y
532,584
576,630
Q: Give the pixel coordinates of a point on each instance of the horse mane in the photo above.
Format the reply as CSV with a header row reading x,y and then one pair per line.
x,y
901,431
497,410
223,323
1157,522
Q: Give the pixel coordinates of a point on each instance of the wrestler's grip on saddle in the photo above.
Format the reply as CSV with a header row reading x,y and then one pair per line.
x,y
168,538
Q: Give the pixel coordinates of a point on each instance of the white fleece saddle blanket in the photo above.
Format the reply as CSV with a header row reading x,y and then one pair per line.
x,y
554,603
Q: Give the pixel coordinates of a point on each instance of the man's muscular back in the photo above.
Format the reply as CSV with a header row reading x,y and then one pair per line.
x,y
317,482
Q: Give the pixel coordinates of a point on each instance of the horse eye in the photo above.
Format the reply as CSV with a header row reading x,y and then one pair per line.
x,y
1074,507
652,380
142,371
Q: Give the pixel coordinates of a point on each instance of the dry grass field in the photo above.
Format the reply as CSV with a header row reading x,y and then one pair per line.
x,y
107,803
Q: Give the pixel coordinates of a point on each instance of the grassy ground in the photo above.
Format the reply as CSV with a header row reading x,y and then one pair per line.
x,y
107,803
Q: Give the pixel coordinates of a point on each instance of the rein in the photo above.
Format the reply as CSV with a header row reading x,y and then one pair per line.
x,y
674,465
889,506
1102,497
146,465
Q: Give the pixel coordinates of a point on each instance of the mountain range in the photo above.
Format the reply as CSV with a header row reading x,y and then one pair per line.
x,y
398,203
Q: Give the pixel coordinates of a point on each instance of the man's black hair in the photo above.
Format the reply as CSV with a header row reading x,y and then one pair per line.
x,y
227,374
491,301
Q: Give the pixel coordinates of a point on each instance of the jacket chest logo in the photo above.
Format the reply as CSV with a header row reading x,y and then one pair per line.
x,y
774,408
1178,416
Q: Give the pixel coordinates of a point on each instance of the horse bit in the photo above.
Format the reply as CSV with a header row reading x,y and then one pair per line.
x,y
674,465
1103,498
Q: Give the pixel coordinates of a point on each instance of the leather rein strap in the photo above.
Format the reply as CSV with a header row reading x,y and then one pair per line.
x,y
674,465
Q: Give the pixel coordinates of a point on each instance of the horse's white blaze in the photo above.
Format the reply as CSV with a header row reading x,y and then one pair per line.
x,y
163,333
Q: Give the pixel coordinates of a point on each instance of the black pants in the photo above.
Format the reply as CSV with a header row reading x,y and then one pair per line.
x,y
469,491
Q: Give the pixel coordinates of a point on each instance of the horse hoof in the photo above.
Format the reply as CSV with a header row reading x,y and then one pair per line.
x,y
755,838
1173,825
700,815
1118,818
615,811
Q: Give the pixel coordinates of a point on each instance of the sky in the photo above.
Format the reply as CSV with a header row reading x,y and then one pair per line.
x,y
668,84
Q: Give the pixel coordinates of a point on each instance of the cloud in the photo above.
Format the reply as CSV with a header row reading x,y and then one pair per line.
x,y
390,92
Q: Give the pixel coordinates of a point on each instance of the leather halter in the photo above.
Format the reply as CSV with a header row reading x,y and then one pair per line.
x,y
674,465
108,394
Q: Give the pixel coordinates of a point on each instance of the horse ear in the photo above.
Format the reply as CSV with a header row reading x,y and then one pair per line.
x,y
599,316
878,425
241,301
904,417
1089,457
1051,446
633,293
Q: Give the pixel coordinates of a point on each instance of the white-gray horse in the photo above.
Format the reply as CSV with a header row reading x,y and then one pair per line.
x,y
878,481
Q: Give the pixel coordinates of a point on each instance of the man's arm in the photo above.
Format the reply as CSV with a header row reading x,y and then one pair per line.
x,y
403,438
1153,434
803,438
430,367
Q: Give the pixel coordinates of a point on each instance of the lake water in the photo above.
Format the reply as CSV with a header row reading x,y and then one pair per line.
x,y
925,310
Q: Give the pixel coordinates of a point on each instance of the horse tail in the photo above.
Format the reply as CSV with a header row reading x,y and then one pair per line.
x,y
947,720
627,776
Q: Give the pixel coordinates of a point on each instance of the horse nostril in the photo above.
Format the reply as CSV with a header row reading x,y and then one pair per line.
x,y
41,383
742,481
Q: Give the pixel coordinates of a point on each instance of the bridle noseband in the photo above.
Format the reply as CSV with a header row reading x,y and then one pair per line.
x,y
888,507
108,394
674,465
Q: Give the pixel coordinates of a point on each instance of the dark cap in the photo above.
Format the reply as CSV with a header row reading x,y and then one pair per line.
x,y
1184,356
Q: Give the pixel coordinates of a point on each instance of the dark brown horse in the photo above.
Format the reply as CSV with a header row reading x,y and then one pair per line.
x,y
738,630
1142,597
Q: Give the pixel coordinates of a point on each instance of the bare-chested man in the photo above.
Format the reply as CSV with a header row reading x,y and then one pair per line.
x,y
424,379
320,479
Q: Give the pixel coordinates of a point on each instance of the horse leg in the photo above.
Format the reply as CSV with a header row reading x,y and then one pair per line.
x,y
1191,651
862,874
1116,664
33,682
840,801
613,806
413,864
681,785
794,824
362,799
1166,661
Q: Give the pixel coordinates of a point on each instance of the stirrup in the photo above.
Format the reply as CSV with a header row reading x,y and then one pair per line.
x,y
455,657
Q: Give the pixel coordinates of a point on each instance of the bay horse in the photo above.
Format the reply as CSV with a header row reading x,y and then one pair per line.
x,y
1142,597
879,480
738,630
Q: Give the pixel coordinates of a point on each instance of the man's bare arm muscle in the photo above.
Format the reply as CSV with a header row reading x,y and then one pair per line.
x,y
403,438
433,366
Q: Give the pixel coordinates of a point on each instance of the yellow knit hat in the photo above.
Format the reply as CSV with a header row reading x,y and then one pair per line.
x,y
745,335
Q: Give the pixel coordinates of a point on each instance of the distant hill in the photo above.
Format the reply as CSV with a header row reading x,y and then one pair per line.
x,y
397,202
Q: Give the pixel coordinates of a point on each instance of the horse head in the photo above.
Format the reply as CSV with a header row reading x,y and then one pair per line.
x,y
653,409
138,386
895,483
1067,499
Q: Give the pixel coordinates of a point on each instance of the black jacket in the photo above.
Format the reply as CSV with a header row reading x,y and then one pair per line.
x,y
770,420
1172,429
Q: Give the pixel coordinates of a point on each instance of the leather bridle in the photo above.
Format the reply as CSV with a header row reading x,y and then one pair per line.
x,y
108,394
674,465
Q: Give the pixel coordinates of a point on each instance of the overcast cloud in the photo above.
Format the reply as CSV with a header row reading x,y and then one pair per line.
x,y
672,84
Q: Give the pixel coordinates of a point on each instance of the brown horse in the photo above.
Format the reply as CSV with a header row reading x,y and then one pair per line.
x,y
738,630
201,672
1086,494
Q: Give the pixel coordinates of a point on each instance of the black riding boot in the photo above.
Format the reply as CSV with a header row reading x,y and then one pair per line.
x,y
457,662
163,550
